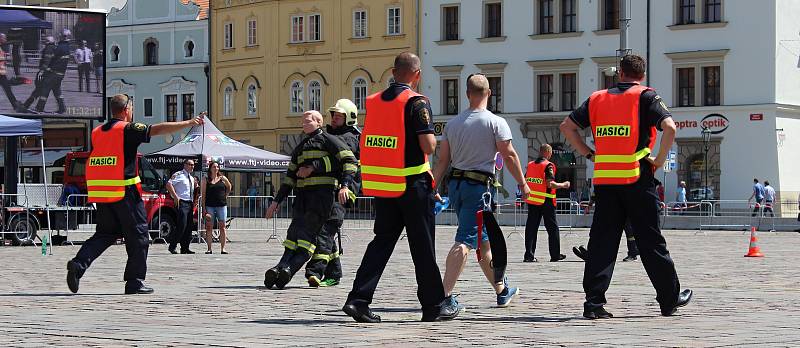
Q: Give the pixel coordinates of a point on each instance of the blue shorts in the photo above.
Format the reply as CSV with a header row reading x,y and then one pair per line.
x,y
218,213
466,198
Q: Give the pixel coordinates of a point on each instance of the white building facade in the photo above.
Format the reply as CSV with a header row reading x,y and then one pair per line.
x,y
730,65
157,52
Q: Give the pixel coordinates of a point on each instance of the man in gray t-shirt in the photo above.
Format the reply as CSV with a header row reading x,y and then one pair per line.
x,y
469,144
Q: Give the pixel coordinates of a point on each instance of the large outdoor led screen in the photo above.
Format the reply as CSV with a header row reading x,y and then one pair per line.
x,y
52,63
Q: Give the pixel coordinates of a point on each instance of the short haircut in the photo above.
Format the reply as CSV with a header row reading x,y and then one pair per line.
x,y
766,182
477,83
118,103
633,66
545,148
407,62
186,161
755,180
316,115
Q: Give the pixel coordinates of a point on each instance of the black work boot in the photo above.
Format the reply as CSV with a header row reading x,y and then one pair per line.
x,y
40,105
270,276
62,108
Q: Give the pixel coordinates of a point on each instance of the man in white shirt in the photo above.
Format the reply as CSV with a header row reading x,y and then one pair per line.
x,y
769,198
182,186
83,57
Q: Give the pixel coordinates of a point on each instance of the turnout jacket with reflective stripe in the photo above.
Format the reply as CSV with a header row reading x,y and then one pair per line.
x,y
338,164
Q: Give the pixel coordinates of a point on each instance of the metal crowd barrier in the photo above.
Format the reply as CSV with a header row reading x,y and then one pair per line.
x,y
729,212
246,213
79,213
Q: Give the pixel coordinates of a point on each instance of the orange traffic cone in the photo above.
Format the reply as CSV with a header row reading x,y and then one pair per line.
x,y
754,250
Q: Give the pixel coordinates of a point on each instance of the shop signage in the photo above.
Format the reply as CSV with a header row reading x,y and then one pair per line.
x,y
756,117
717,123
438,128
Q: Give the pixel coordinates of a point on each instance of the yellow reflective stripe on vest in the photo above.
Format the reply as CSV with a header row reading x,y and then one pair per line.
x,y
289,244
306,245
616,173
383,186
422,168
289,181
106,194
126,182
542,194
536,199
622,158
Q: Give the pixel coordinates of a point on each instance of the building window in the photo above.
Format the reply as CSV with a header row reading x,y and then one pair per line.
x,y
171,103
252,99
360,24
496,99
494,20
609,81
568,91
711,86
450,22
686,87
610,14
252,32
545,16
228,36
148,107
115,53
569,16
686,11
360,93
393,21
713,11
188,106
450,87
151,52
296,95
315,27
188,49
545,93
297,28
227,109
314,95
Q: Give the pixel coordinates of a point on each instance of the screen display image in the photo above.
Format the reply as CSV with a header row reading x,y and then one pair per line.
x,y
52,63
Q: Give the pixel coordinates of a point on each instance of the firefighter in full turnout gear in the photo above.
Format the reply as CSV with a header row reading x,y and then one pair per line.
x,y
623,121
325,267
112,180
52,68
316,187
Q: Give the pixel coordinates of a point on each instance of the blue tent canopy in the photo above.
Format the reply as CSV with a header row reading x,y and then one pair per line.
x,y
18,127
22,19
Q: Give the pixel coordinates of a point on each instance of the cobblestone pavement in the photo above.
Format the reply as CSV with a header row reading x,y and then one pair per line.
x,y
219,300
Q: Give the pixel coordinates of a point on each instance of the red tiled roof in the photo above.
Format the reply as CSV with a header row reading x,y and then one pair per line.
x,y
203,7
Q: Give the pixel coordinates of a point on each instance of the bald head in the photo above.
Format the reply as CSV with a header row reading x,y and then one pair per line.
x,y
312,120
478,85
406,68
546,151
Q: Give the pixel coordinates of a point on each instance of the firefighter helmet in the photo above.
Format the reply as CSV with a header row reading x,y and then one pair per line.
x,y
348,108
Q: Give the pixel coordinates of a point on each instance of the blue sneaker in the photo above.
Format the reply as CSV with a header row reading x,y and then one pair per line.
x,y
453,301
504,298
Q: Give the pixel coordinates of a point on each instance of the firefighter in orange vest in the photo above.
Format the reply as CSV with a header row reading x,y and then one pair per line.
x,y
540,177
112,180
623,121
395,144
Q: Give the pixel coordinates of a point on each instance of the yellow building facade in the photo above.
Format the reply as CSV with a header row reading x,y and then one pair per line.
x,y
274,59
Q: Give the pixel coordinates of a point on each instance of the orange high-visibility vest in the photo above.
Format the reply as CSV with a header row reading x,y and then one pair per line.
x,y
536,181
383,146
105,169
615,128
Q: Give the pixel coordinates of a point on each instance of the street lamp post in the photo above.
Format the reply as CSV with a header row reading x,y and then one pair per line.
x,y
706,132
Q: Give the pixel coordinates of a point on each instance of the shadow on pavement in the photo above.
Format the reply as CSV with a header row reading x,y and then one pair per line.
x,y
277,321
56,294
